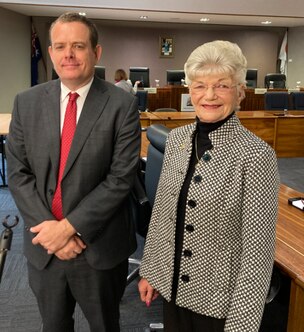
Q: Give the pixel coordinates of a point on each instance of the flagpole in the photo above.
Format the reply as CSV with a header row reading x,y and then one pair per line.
x,y
283,54
42,58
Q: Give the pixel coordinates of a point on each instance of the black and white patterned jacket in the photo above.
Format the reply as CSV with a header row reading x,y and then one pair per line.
x,y
229,226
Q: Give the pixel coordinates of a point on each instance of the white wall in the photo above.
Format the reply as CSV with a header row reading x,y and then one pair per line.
x,y
295,66
133,46
126,45
15,57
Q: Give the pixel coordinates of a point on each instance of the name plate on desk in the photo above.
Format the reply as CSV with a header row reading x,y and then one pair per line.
x,y
293,90
151,90
186,105
260,91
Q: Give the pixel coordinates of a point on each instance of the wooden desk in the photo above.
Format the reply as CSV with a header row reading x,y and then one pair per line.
x,y
168,96
168,119
263,124
284,134
5,120
289,256
254,101
290,135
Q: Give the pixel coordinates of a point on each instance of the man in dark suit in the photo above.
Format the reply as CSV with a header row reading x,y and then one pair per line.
x,y
79,255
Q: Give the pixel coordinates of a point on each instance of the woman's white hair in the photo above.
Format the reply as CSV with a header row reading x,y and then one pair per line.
x,y
217,57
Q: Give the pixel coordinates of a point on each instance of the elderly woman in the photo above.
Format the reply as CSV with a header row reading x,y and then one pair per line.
x,y
210,246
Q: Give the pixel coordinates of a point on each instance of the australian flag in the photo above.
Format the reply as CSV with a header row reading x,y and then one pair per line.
x,y
36,56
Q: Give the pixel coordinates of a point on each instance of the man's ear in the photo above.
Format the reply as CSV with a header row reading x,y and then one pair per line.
x,y
98,52
50,50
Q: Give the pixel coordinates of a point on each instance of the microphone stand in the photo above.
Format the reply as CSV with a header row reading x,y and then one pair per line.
x,y
6,240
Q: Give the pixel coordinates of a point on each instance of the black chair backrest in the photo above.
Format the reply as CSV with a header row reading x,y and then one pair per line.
x,y
252,78
146,181
142,97
157,135
166,109
175,76
276,100
100,71
54,74
298,100
279,80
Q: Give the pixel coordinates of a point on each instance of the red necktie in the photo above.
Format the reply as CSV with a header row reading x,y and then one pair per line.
x,y
68,130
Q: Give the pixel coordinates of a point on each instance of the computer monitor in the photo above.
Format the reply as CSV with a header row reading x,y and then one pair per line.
x,y
140,74
100,72
175,76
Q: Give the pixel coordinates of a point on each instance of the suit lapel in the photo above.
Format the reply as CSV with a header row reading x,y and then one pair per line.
x,y
92,109
51,101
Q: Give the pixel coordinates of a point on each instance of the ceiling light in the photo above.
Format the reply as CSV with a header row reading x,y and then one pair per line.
x,y
143,17
266,22
204,19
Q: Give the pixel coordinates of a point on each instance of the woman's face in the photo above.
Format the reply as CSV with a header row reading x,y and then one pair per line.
x,y
214,97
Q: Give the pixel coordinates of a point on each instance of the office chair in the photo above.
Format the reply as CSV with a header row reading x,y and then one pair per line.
x,y
146,182
142,97
251,78
175,76
100,71
157,135
166,109
54,74
145,191
298,100
276,100
279,80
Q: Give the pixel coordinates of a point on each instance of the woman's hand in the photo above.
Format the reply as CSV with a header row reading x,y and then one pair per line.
x,y
147,292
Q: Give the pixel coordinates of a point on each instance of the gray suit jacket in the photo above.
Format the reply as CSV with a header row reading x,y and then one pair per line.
x,y
99,173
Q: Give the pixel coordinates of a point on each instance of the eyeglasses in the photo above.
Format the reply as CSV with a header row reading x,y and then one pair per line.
x,y
219,88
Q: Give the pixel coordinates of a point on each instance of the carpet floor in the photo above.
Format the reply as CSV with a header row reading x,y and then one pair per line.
x,y
18,306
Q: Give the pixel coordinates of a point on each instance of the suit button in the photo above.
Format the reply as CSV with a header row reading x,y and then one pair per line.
x,y
51,192
185,278
197,178
190,228
187,253
206,156
192,203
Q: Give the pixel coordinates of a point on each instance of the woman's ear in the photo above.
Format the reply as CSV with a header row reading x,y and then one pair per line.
x,y
241,93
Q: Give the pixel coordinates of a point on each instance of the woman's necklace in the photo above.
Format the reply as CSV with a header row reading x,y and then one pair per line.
x,y
206,156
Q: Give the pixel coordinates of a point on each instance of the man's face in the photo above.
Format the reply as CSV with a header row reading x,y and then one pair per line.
x,y
72,54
